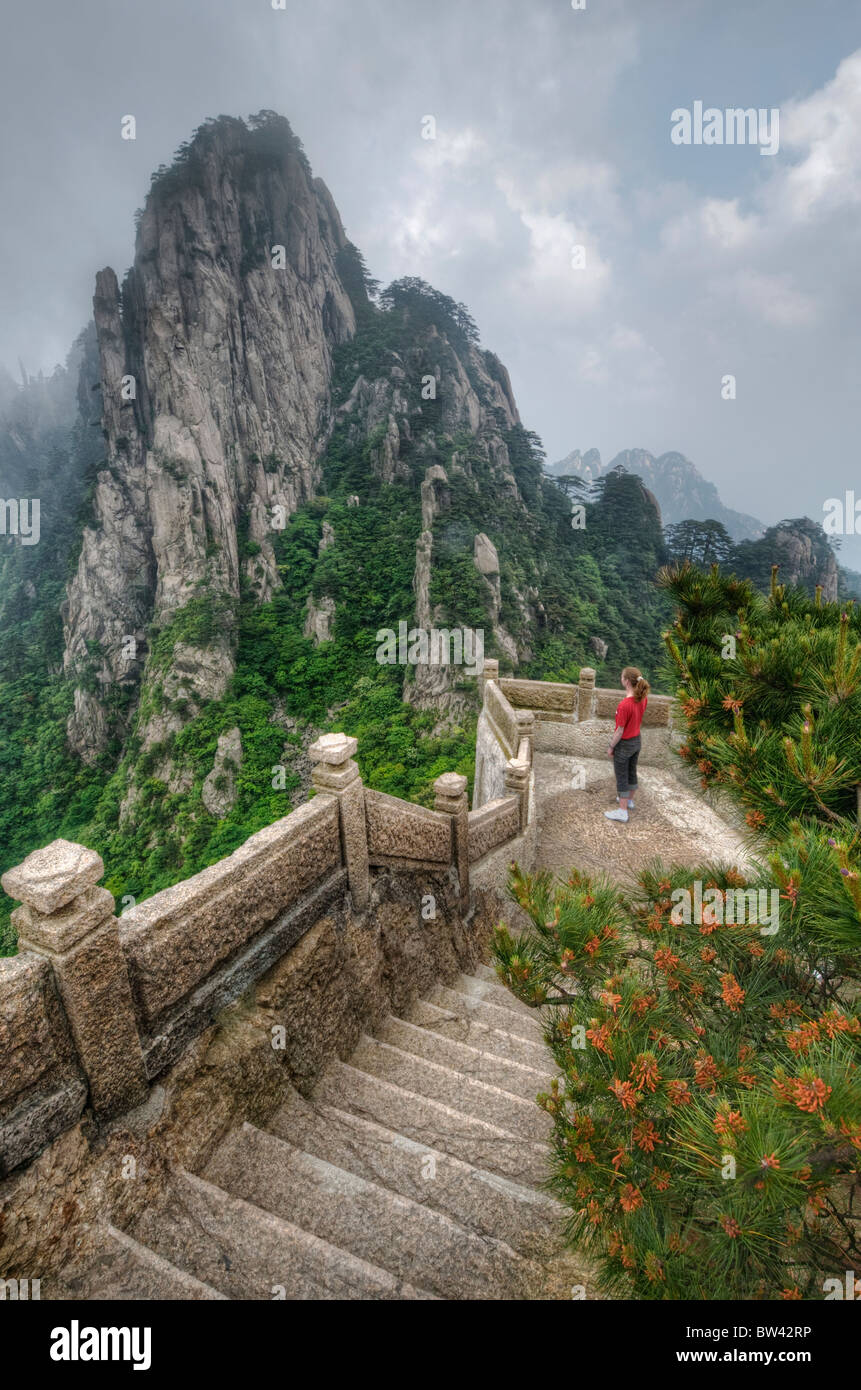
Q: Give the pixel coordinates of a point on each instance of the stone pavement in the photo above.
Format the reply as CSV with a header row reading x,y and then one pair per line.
x,y
670,822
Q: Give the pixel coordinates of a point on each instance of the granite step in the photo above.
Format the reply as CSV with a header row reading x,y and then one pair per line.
x,y
413,1242
522,1217
122,1268
439,1126
486,972
504,1073
413,1173
452,1088
491,1015
485,984
462,1028
248,1253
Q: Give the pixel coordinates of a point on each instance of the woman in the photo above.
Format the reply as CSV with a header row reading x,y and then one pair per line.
x,y
625,744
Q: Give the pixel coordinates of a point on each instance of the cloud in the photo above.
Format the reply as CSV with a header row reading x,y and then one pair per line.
x,y
824,130
624,359
717,222
452,149
563,270
760,252
774,297
459,199
552,132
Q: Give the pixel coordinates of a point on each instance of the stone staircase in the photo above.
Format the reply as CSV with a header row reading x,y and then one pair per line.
x,y
413,1173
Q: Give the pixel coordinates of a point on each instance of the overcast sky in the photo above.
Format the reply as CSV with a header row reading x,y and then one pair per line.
x,y
553,130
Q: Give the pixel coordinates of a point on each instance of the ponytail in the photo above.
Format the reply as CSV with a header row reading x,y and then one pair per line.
x,y
641,686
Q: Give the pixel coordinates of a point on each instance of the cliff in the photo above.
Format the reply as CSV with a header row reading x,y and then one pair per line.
x,y
283,463
801,550
216,361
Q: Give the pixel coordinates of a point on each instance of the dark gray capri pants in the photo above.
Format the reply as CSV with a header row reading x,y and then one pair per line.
x,y
625,756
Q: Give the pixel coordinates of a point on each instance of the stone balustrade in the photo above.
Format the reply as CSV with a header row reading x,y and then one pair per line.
x,y
493,825
451,800
68,921
552,698
402,835
181,936
94,1008
503,716
553,701
574,720
43,1087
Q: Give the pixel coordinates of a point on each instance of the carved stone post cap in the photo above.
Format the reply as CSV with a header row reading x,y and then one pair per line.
x,y
450,785
587,675
518,767
525,718
50,878
333,749
62,930
491,668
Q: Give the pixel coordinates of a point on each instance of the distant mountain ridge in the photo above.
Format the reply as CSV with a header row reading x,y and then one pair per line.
x,y
800,546
682,492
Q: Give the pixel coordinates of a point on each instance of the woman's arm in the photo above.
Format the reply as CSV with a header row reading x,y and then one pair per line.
x,y
617,734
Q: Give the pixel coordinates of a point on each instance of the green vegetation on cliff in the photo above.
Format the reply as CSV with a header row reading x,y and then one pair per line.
x,y
558,588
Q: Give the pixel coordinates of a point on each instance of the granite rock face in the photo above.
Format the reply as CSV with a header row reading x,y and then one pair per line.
x,y
436,497
486,556
486,561
219,788
218,397
216,362
318,619
797,547
465,391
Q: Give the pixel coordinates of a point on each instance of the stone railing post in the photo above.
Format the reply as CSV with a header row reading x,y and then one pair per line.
x,y
70,922
450,797
335,774
490,672
586,690
525,732
516,778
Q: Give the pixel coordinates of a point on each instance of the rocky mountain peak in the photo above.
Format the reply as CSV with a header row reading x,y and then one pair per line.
x,y
216,365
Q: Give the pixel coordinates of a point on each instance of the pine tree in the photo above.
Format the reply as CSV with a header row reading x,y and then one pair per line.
x,y
771,688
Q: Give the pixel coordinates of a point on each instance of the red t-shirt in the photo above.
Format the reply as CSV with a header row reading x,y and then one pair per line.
x,y
629,716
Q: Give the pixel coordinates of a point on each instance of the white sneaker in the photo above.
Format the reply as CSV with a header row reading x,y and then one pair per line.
x,y
616,815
